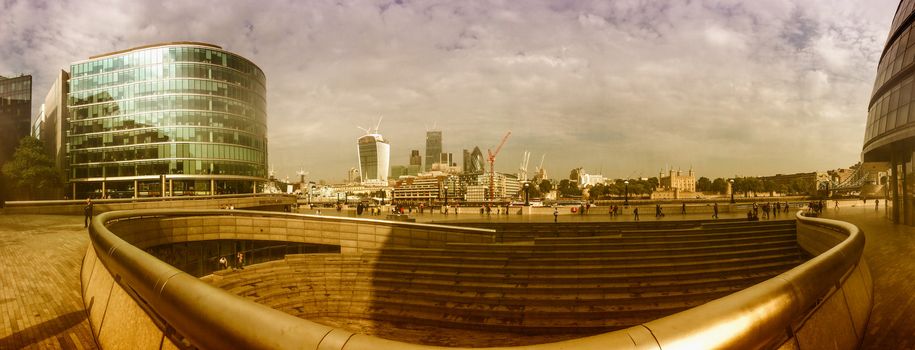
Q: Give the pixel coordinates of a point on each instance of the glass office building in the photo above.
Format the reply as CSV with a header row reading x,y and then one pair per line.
x,y
15,113
173,119
374,157
889,137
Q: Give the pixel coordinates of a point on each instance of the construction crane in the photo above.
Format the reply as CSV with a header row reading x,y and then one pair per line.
x,y
541,174
492,166
522,171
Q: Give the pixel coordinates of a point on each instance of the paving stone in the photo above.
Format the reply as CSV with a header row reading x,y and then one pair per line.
x,y
40,303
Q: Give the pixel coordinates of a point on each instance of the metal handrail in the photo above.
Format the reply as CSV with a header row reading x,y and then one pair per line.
x,y
762,316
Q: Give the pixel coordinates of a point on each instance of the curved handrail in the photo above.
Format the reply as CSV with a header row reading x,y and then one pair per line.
x,y
757,317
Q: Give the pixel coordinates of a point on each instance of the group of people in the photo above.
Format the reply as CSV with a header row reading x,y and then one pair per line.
x,y
239,261
768,210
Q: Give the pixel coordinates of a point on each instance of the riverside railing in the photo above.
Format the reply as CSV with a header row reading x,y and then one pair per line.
x,y
133,298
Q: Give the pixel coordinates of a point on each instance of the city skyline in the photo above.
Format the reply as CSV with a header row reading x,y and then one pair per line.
x,y
620,89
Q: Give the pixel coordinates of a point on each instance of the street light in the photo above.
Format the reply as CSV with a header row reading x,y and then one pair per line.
x,y
527,193
732,190
446,195
626,201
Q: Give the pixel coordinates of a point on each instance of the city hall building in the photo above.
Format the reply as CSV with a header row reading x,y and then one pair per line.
x,y
182,118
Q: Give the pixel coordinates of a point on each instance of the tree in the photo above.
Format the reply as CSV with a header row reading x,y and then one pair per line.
x,y
652,184
545,186
703,184
31,173
598,191
568,189
719,185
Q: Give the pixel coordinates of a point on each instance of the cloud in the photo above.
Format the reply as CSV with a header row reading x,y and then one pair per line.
x,y
624,86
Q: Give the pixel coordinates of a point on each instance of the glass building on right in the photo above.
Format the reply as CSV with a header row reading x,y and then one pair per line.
x,y
889,137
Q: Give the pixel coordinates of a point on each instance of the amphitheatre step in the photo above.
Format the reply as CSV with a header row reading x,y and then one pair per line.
x,y
671,238
590,277
594,250
627,242
544,288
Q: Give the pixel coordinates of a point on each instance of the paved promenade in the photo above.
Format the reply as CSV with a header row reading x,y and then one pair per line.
x,y
40,303
889,254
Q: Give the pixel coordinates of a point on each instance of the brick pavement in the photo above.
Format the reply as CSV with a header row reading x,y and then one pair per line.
x,y
888,252
40,303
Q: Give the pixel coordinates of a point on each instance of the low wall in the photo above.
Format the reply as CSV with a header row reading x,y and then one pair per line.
x,y
75,207
823,303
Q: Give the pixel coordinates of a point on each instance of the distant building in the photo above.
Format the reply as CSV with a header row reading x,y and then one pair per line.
x,y
398,170
506,188
585,179
415,158
15,113
803,182
352,176
52,123
433,148
473,161
374,157
675,185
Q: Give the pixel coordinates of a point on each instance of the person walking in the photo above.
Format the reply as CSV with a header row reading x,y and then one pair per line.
x,y
657,211
877,204
837,205
240,257
87,212
683,208
715,211
635,213
555,214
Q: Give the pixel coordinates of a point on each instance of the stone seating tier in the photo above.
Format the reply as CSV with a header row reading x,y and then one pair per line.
x,y
584,284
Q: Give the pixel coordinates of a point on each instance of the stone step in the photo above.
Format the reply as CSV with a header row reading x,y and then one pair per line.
x,y
618,260
594,250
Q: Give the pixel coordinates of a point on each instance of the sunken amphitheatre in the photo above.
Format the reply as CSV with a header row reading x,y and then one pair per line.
x,y
167,277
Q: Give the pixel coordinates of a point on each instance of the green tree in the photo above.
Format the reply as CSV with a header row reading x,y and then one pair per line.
x,y
545,186
31,173
598,191
567,188
652,184
719,185
703,184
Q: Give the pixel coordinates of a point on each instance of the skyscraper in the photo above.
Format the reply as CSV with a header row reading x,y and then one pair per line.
x,y
181,118
53,128
374,157
15,113
415,158
433,148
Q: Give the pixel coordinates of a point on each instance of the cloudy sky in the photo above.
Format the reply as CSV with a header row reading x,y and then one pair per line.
x,y
621,88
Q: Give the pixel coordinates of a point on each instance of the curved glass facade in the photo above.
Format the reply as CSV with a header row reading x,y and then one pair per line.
x,y
171,119
889,135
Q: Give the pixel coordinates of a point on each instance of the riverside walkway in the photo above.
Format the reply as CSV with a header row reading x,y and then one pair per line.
x,y
40,302
40,257
888,252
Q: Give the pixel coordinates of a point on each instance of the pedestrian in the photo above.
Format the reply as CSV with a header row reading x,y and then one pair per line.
x,y
877,204
657,211
765,208
837,205
555,214
87,212
787,207
683,208
223,262
635,213
715,211
241,260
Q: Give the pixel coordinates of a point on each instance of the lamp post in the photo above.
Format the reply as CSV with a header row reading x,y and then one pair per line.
x,y
527,193
731,181
626,200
